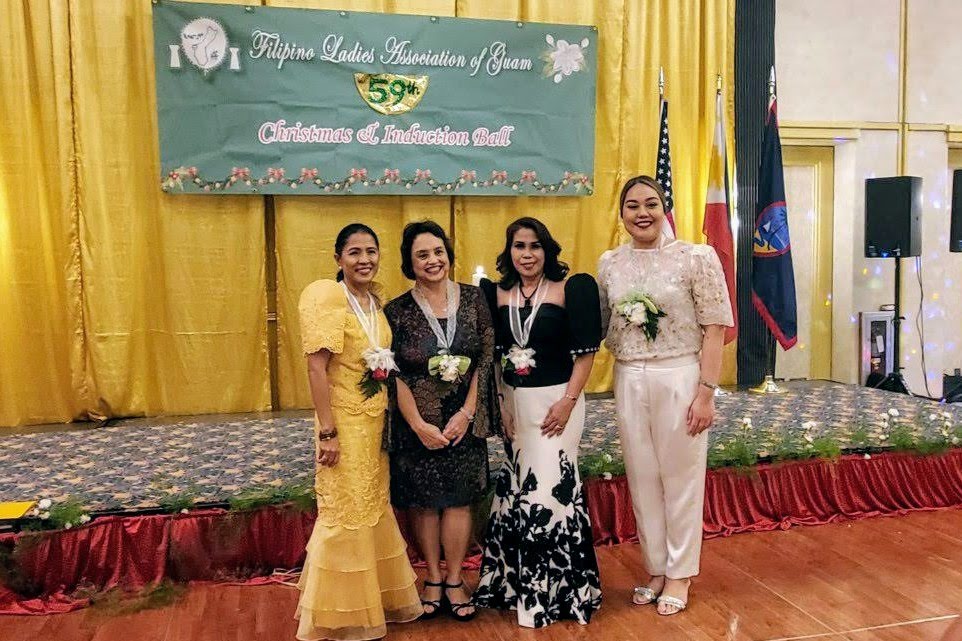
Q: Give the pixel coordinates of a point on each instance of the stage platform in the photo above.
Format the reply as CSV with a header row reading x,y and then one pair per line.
x,y
132,465
124,474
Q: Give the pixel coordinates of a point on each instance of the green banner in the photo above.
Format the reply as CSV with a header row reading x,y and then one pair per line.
x,y
300,101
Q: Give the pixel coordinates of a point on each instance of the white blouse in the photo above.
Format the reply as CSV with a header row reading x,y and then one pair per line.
x,y
685,281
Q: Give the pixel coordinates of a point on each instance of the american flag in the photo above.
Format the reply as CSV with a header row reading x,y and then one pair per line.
x,y
663,172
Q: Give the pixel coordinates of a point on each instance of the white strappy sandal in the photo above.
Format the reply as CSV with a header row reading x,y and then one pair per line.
x,y
677,604
643,595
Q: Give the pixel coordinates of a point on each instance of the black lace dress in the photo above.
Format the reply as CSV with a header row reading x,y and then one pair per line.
x,y
456,475
538,552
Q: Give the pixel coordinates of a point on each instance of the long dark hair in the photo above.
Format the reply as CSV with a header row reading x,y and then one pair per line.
x,y
554,269
642,180
345,234
412,231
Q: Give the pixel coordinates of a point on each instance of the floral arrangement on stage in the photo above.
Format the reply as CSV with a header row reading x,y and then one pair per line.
x,y
754,441
63,515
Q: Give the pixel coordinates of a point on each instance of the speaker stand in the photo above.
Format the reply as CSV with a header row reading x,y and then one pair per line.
x,y
894,381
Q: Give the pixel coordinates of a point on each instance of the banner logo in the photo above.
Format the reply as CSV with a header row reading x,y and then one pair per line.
x,y
204,42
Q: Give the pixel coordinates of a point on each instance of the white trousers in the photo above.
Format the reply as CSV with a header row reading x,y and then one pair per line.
x,y
664,465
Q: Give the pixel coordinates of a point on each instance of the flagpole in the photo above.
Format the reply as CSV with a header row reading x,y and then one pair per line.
x,y
668,229
718,92
769,386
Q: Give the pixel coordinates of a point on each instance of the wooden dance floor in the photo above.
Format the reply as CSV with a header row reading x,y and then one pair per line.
x,y
890,579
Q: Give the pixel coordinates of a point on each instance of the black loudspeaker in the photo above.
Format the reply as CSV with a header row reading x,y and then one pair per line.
x,y
893,207
955,233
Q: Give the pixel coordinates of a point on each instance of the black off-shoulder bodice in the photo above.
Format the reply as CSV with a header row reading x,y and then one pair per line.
x,y
559,334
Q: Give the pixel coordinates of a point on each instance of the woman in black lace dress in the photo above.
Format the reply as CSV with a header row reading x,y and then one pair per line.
x,y
443,407
538,555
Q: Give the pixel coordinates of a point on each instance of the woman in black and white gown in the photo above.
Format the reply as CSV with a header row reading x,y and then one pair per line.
x,y
538,554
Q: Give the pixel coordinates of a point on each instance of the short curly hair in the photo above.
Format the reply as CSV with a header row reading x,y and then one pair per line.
x,y
412,231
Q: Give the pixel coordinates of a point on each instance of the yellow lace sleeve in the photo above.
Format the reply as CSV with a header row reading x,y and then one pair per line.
x,y
323,313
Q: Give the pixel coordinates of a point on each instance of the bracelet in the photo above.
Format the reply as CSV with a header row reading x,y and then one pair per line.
x,y
705,383
326,436
571,398
470,417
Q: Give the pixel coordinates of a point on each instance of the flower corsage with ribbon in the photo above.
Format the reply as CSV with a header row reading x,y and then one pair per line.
x,y
449,368
520,357
380,363
519,360
640,311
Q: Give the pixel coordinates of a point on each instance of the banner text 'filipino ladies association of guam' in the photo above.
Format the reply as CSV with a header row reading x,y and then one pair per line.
x,y
299,101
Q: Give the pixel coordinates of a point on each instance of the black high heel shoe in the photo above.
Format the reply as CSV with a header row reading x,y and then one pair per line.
x,y
437,605
456,608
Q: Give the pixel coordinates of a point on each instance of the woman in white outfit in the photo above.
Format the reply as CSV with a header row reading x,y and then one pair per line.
x,y
665,306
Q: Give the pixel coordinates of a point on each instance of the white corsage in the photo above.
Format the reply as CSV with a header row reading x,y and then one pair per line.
x,y
380,363
640,311
518,360
449,367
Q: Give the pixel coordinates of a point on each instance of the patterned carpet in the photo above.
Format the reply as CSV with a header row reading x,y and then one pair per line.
x,y
134,464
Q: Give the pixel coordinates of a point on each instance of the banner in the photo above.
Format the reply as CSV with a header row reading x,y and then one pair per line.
x,y
300,101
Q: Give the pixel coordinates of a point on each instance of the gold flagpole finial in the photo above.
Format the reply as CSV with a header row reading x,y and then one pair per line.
x,y
771,83
661,81
718,83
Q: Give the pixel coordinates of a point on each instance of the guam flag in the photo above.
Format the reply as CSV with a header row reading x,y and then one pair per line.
x,y
773,279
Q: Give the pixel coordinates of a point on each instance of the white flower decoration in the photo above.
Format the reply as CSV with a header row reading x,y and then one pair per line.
x,y
449,368
564,58
67,525
45,504
84,518
45,515
637,314
893,412
521,358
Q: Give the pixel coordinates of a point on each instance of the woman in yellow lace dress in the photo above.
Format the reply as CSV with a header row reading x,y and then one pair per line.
x,y
357,575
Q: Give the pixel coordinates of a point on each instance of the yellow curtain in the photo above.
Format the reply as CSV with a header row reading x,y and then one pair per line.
x,y
121,300
41,335
174,287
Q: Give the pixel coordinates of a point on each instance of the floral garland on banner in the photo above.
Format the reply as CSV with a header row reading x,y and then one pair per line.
x,y
525,182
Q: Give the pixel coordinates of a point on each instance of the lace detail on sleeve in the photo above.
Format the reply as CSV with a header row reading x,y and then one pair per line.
x,y
323,313
708,288
487,421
